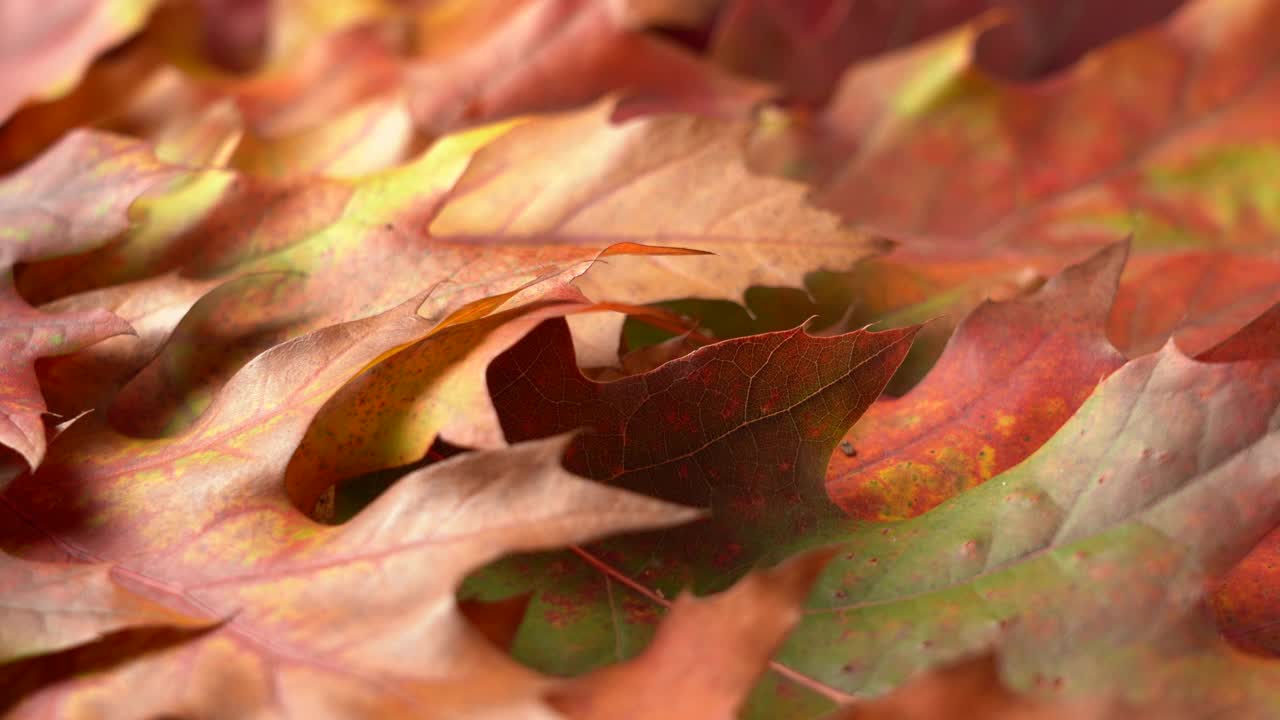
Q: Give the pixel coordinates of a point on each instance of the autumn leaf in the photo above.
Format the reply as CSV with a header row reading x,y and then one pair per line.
x,y
1086,562
926,144
639,358
903,288
73,200
999,526
805,46
973,688
311,237
110,83
706,655
54,43
442,522
1255,341
760,229
1197,298
893,289
1012,374
499,55
90,377
480,497
52,606
234,459
734,427
392,413
380,236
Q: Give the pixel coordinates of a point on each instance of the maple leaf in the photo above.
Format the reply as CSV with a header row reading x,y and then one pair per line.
x,y
74,199
1012,374
53,43
924,143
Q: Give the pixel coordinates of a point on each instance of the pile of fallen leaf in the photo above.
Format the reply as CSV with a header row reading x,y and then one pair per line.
x,y
639,359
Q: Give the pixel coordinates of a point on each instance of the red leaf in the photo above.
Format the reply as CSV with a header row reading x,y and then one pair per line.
x,y
1013,373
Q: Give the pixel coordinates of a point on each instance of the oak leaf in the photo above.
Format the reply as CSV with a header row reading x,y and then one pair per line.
x,y
72,200
925,144
165,512
364,237
805,46
53,43
674,180
1060,546
706,655
51,606
972,688
494,59
377,238
1086,563
1011,375
743,427
351,653
1197,298
391,414
290,492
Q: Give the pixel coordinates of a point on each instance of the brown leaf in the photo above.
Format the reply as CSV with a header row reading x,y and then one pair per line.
x,y
343,249
76,197
89,378
670,180
707,654
324,251
51,606
311,616
390,414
